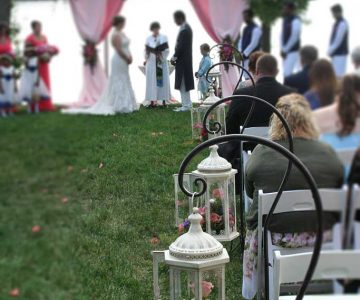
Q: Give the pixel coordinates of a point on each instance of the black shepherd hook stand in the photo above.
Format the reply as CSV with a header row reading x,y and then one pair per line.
x,y
294,160
216,124
241,67
286,174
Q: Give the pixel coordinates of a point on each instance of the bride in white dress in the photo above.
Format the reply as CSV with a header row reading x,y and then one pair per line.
x,y
118,96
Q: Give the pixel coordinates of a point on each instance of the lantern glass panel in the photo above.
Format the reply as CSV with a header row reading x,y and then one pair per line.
x,y
217,115
183,203
217,204
232,205
192,284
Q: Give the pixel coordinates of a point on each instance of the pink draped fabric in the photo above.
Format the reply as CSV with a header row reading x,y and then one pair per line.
x,y
93,20
222,18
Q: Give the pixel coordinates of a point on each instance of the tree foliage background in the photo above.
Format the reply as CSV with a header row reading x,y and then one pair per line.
x,y
268,12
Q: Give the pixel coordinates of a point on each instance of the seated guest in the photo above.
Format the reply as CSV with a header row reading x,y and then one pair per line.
x,y
254,57
300,80
355,57
264,171
266,88
339,123
323,84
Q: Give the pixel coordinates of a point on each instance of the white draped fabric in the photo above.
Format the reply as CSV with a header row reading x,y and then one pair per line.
x,y
222,18
93,20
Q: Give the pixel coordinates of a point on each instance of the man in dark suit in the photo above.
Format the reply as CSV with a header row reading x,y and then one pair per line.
x,y
182,59
300,80
267,88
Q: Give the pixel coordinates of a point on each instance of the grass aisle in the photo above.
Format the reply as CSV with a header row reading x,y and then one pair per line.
x,y
99,188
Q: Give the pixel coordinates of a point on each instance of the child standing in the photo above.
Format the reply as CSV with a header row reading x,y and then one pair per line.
x,y
7,84
32,87
205,65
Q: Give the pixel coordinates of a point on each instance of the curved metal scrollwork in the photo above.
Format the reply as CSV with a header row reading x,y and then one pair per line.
x,y
288,170
292,160
237,53
216,124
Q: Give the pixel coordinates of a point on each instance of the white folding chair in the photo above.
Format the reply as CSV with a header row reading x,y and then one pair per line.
x,y
258,132
346,155
338,264
354,225
333,200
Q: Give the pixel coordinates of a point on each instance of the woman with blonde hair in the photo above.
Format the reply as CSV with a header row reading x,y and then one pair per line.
x,y
323,84
264,171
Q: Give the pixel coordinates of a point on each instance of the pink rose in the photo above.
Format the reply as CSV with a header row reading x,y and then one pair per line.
x,y
198,125
218,193
207,287
202,211
181,228
215,218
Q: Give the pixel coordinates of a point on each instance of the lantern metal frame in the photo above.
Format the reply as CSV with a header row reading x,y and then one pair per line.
x,y
292,160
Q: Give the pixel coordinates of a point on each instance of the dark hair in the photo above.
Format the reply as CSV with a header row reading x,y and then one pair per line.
x,y
267,65
323,80
117,20
5,26
308,54
348,107
290,4
179,15
337,8
249,12
253,58
154,25
205,47
35,23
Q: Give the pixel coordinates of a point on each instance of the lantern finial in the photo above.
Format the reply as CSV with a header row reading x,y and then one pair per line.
x,y
214,162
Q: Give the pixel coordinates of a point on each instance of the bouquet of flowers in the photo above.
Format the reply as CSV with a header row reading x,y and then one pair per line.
x,y
45,52
217,221
226,54
90,54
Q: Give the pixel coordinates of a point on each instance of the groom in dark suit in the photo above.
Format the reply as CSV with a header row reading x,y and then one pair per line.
x,y
182,59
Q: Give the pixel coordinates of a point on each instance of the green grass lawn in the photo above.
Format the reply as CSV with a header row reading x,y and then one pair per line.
x,y
97,244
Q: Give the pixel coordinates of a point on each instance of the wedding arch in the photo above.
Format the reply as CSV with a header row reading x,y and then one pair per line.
x,y
219,18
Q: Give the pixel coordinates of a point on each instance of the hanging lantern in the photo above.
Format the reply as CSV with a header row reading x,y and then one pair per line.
x,y
218,115
196,264
218,204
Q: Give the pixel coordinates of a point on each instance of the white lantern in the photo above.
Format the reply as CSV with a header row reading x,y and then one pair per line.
x,y
218,115
196,264
218,204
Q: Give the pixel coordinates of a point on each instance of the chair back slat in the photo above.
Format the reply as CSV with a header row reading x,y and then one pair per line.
x,y
333,264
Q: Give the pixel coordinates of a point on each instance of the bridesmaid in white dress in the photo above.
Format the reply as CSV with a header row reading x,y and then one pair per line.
x,y
118,96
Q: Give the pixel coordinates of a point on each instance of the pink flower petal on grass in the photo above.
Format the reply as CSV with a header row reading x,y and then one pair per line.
x,y
36,229
155,240
14,292
64,200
